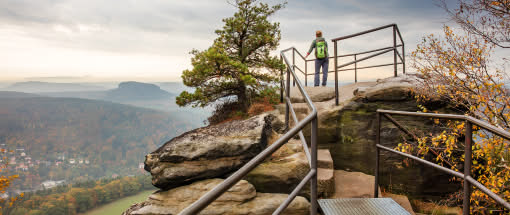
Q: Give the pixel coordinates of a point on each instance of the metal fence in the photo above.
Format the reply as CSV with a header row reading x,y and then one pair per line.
x,y
468,180
340,68
311,154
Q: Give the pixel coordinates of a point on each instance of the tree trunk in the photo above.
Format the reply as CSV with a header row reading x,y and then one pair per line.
x,y
242,98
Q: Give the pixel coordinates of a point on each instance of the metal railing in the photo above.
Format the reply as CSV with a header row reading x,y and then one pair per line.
x,y
379,51
468,180
217,191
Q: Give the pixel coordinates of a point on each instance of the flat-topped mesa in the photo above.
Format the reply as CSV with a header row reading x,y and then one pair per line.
x,y
208,152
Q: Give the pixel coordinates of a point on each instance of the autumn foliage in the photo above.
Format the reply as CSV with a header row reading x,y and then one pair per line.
x,y
80,197
459,70
6,179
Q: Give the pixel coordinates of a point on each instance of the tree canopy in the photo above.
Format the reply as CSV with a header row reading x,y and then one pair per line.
x,y
239,63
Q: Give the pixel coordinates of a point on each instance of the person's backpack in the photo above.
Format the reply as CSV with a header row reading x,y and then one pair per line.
x,y
321,48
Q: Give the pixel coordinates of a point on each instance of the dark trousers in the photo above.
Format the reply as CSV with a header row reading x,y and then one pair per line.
x,y
324,62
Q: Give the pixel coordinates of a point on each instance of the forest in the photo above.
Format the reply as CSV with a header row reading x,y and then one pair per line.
x,y
77,198
71,139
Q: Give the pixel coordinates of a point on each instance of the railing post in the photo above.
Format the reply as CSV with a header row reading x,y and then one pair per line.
x,y
395,49
313,185
377,142
467,167
355,70
281,81
336,73
287,94
306,73
293,66
403,59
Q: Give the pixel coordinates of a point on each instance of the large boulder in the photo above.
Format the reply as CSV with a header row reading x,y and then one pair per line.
x,y
354,117
349,132
281,172
285,169
241,199
389,89
317,94
208,152
353,185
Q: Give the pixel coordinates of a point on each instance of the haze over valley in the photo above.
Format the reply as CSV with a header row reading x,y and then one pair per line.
x,y
53,133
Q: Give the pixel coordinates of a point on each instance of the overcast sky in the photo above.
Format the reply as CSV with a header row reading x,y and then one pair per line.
x,y
151,39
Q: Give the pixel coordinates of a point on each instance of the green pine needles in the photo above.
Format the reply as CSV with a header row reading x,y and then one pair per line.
x,y
238,65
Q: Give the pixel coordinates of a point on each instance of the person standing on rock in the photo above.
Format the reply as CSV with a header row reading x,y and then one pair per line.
x,y
321,58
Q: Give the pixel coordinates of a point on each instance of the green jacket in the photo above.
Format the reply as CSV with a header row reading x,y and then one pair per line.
x,y
314,44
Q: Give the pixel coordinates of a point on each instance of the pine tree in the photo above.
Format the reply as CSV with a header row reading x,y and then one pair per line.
x,y
238,64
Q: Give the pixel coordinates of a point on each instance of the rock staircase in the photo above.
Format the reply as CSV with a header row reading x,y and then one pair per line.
x,y
205,155
336,184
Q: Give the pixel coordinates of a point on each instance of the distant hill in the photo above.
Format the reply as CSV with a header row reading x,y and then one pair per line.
x,y
44,87
159,97
137,91
113,137
10,94
125,92
175,87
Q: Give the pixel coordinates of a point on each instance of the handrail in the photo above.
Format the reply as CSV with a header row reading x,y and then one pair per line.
x,y
468,180
473,120
363,32
221,188
364,58
360,53
380,51
301,136
335,57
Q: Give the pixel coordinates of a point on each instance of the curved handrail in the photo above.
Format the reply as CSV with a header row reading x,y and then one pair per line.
x,y
221,188
468,180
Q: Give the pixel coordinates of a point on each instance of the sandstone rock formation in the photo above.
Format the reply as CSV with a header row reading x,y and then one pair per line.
x,y
353,185
241,199
388,89
285,169
182,167
208,152
281,172
348,130
317,94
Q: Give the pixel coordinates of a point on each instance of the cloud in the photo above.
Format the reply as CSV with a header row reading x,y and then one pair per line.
x,y
114,25
168,29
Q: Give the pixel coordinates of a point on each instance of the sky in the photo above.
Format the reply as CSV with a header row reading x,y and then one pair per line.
x,y
150,40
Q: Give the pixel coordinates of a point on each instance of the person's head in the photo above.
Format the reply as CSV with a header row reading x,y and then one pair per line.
x,y
318,33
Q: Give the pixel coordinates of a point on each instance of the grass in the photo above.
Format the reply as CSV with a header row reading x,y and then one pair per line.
x,y
120,205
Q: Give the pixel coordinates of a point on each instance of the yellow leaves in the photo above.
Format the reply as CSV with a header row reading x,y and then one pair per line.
x,y
436,121
456,70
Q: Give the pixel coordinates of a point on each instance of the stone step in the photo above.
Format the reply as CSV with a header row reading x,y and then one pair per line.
x,y
324,159
317,94
325,173
325,182
353,185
